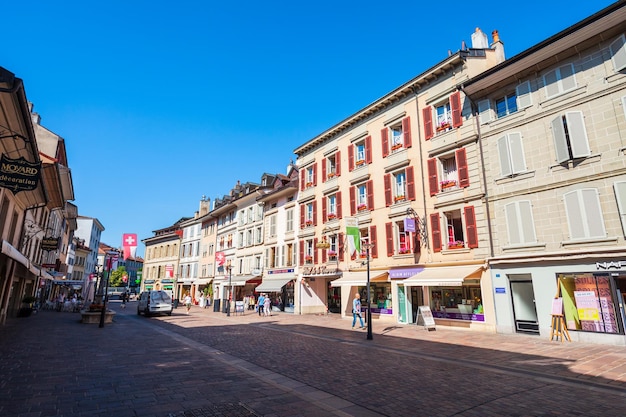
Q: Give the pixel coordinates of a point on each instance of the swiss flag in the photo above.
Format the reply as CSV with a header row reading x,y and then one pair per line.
x,y
220,258
129,243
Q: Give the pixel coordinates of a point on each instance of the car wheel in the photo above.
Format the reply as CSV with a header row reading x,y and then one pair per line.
x,y
170,313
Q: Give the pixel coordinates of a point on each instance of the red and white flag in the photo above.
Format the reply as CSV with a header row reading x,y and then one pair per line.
x,y
220,258
129,243
169,271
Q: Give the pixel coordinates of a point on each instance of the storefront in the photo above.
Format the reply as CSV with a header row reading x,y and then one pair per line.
x,y
279,285
453,293
381,293
316,294
593,298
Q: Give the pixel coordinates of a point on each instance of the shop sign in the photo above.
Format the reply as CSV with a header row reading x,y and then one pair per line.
x,y
320,270
280,271
49,243
611,265
404,272
500,290
425,318
167,281
19,174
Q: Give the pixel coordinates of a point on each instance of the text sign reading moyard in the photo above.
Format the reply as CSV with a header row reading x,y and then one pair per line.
x,y
19,174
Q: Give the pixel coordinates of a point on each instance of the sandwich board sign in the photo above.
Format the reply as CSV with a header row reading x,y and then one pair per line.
x,y
425,318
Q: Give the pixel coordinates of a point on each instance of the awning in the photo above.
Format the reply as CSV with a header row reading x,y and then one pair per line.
x,y
359,278
448,276
203,281
272,285
14,254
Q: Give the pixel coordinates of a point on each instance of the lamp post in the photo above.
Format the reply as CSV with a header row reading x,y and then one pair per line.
x,y
105,275
367,247
229,268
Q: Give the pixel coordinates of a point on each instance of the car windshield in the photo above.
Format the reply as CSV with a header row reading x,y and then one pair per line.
x,y
161,296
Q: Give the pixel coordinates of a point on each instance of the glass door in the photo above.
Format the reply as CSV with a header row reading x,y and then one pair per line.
x,y
524,309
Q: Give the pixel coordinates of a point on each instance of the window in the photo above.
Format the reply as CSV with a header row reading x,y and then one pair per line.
x,y
443,117
570,137
448,172
584,214
290,255
618,53
308,177
506,105
360,153
259,235
559,80
307,251
399,241
307,214
511,153
289,226
447,115
362,197
454,229
396,137
308,217
272,221
399,186
331,166
524,97
331,207
520,223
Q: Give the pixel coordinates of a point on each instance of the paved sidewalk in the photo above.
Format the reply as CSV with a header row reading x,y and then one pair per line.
x,y
208,364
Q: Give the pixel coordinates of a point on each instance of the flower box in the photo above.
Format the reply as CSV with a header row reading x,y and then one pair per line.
x,y
332,216
332,253
330,175
308,223
396,147
399,198
447,184
443,126
308,259
459,244
360,162
361,207
308,185
404,251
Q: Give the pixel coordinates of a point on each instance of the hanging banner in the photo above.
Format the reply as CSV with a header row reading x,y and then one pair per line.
x,y
353,236
129,243
19,174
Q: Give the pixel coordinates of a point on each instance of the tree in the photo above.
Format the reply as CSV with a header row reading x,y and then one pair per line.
x,y
116,277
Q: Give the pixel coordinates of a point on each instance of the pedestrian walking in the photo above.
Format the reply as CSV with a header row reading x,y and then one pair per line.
x,y
123,297
356,310
187,302
267,306
261,304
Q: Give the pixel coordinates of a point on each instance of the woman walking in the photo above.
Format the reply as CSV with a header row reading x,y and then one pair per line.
x,y
356,310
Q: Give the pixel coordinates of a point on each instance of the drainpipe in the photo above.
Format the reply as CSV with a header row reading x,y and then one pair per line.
x,y
482,163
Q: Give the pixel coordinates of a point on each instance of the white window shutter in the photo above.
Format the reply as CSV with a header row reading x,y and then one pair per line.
x,y
551,82
560,141
577,134
620,197
505,159
512,223
484,111
568,78
575,220
593,213
624,105
518,162
618,53
527,222
524,97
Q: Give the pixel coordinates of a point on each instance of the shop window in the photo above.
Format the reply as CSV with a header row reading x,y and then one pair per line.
x,y
360,153
584,214
588,303
511,153
461,303
570,137
520,223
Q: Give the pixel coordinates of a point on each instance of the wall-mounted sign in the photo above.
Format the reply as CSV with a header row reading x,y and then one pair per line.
x,y
500,290
50,243
19,174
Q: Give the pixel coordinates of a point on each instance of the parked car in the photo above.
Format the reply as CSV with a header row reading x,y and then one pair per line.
x,y
154,302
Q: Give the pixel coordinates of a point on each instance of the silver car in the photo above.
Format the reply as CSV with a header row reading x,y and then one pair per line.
x,y
154,302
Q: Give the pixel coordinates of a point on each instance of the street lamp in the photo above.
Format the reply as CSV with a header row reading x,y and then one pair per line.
x,y
367,247
229,268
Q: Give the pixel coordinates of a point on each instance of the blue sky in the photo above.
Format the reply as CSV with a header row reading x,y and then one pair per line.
x,y
161,102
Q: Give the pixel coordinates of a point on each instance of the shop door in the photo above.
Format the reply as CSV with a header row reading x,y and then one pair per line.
x,y
417,299
524,309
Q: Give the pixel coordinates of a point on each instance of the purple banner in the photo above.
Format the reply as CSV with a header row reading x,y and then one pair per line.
x,y
404,272
457,316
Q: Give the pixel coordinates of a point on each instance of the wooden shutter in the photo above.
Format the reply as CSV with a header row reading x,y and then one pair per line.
x,y
461,166
368,150
618,53
433,180
410,183
315,251
387,182
406,131
324,170
506,169
324,253
315,173
435,231
484,111
324,213
518,162
302,179
314,203
455,106
340,247
351,158
560,141
370,194
302,252
385,141
374,250
302,213
577,134
338,204
389,236
524,97
470,227
352,201
427,115
338,163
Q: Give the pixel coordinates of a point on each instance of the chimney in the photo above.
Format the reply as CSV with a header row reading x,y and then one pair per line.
x,y
498,46
205,204
479,40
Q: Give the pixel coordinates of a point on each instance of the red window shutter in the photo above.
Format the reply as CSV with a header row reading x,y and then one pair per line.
x,y
455,106
368,150
461,166
435,232
323,170
387,181
385,141
406,131
302,252
427,115
370,194
314,213
338,203
302,180
350,158
433,181
470,227
374,250
389,236
410,183
340,247
324,253
315,173
324,214
302,213
352,200
338,163
315,251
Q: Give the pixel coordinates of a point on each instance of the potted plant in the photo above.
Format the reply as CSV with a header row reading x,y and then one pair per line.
x,y
27,306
